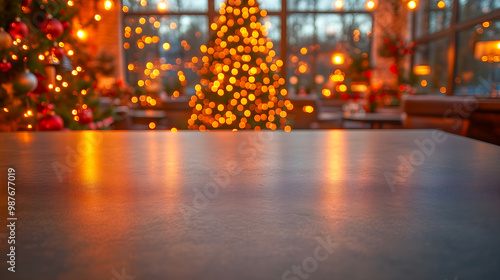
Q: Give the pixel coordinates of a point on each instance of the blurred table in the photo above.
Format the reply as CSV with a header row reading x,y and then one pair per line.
x,y
375,120
398,204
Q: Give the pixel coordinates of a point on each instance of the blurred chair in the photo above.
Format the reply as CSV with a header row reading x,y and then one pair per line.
x,y
447,113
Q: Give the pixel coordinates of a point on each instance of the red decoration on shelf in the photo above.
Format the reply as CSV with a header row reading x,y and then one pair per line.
x,y
5,66
52,28
85,116
50,122
18,29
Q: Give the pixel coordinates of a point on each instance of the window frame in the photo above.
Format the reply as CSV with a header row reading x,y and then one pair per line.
x,y
283,14
456,26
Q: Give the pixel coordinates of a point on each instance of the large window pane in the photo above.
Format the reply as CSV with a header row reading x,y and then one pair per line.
x,y
301,30
434,57
478,60
273,27
166,5
312,41
325,5
433,16
269,5
473,8
164,50
170,44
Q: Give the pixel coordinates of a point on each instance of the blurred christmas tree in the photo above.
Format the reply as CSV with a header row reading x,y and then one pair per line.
x,y
241,87
44,85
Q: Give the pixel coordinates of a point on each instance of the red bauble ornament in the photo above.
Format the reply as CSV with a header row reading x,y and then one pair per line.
x,y
58,52
26,3
65,25
50,123
25,82
5,39
85,116
52,28
18,29
5,66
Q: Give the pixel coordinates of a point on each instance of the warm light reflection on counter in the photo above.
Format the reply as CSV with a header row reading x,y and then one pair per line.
x,y
25,137
152,153
335,161
87,149
333,195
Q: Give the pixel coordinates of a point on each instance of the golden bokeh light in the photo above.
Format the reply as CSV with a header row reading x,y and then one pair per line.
x,y
308,109
339,4
162,6
81,34
338,58
108,5
412,5
370,5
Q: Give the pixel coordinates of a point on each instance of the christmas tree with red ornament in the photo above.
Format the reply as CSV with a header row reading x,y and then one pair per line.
x,y
43,82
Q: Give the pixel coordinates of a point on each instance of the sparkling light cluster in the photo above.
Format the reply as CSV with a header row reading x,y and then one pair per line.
x,y
241,87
